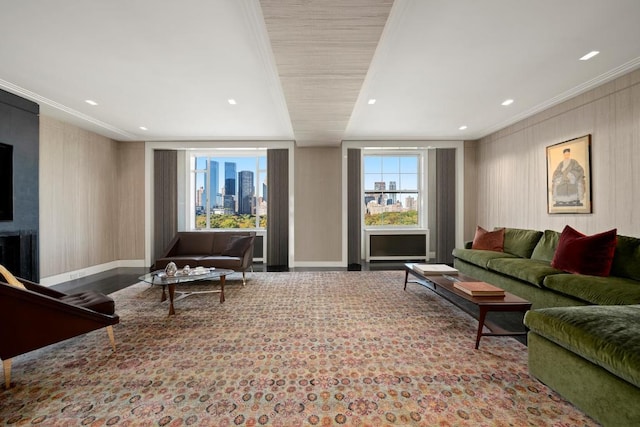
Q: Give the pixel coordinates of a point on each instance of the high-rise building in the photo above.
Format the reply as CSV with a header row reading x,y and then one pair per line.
x,y
214,183
392,188
229,179
229,187
245,193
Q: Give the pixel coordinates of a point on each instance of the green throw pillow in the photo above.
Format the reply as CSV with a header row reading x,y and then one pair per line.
x,y
546,247
521,242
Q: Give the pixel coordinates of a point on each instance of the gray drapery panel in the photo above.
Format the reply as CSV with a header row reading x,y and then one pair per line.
x,y
354,206
165,199
445,204
278,210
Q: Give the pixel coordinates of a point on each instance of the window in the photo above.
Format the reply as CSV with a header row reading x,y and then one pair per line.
x,y
229,191
392,189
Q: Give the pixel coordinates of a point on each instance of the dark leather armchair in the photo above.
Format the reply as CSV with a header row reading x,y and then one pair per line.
x,y
38,316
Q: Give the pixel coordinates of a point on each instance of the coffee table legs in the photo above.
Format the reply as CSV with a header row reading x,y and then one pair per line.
x,y
497,331
172,292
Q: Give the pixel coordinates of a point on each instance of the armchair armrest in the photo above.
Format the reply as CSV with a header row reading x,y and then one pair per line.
x,y
31,320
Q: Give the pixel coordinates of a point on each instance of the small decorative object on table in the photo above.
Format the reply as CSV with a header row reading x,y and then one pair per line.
x,y
186,270
171,269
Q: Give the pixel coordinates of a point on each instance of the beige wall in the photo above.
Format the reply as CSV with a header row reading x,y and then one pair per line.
x,y
318,205
91,203
511,163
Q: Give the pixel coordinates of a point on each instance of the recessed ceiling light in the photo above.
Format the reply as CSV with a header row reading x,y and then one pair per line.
x,y
232,101
90,102
507,102
463,127
371,101
589,55
143,128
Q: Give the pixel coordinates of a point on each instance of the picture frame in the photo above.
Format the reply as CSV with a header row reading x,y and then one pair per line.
x,y
569,177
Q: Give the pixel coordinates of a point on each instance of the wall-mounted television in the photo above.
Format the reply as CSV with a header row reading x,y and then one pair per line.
x,y
6,182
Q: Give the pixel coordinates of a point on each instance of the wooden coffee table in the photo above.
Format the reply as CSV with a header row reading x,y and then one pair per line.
x,y
443,286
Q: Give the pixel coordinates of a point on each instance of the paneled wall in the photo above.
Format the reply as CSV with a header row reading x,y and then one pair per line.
x,y
130,201
318,206
91,199
511,163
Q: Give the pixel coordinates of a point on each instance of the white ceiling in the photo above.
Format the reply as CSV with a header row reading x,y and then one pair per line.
x,y
304,69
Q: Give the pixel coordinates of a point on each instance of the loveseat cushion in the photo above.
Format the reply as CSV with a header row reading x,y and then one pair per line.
x,y
237,246
193,243
521,242
528,270
479,257
179,260
546,247
92,300
608,336
220,261
595,289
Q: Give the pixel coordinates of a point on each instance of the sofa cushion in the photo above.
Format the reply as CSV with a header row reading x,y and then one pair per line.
x,y
180,261
479,257
237,246
222,238
488,240
521,242
546,247
194,243
10,278
527,270
219,261
92,300
578,253
626,259
608,336
595,289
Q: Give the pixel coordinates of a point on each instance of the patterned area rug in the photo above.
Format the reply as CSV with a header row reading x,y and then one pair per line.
x,y
288,349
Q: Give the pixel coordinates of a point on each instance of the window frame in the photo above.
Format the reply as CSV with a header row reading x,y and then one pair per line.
x,y
220,154
420,155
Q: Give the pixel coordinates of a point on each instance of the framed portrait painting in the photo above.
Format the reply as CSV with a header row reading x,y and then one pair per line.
x,y
569,176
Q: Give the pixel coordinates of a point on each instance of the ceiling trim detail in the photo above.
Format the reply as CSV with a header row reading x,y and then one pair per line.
x,y
10,87
582,88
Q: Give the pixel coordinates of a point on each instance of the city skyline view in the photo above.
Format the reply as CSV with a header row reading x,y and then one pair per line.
x,y
229,192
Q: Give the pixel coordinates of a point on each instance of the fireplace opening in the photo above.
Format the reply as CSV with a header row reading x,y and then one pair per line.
x,y
18,253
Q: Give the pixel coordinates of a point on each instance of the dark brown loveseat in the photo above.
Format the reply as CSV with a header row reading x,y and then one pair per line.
x,y
219,249
34,316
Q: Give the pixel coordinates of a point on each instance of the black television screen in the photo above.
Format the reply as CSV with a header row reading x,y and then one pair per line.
x,y
6,182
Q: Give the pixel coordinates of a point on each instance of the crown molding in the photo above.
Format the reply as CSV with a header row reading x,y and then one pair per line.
x,y
41,100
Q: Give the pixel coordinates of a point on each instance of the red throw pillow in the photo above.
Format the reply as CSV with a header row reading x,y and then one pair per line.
x,y
488,240
592,255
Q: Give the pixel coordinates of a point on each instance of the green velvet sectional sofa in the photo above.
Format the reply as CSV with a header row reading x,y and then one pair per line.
x,y
584,330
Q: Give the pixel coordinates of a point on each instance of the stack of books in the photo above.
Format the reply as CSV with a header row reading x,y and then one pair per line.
x,y
434,269
479,289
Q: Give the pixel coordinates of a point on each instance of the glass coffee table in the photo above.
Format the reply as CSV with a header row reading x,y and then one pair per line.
x,y
159,278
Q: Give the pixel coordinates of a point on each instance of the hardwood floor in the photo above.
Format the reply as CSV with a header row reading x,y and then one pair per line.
x,y
119,278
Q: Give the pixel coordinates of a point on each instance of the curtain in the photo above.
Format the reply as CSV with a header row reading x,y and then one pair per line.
x,y
354,206
445,204
278,210
165,199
